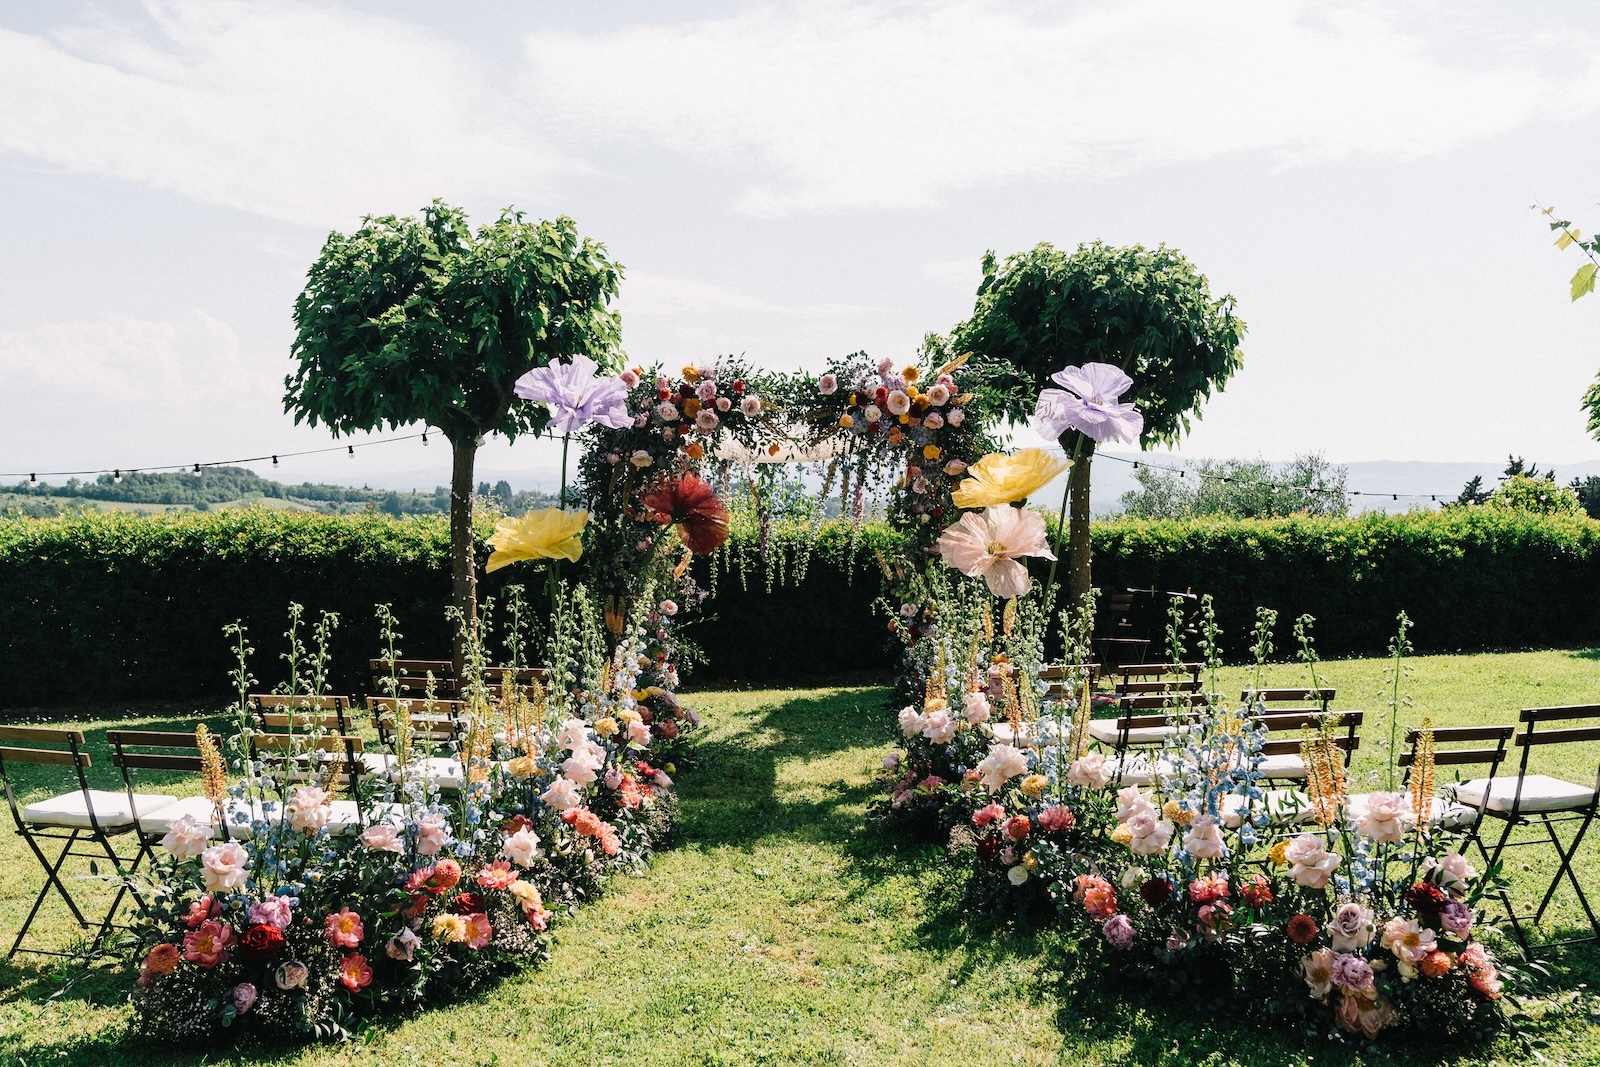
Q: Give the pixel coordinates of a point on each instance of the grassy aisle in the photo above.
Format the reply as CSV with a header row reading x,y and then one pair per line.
x,y
779,931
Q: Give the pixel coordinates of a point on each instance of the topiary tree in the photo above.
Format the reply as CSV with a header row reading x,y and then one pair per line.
x,y
1147,311
412,320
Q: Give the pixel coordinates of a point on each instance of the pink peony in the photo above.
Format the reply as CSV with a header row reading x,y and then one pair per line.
x,y
939,727
1150,835
1204,839
272,911
478,930
912,721
1456,918
1318,971
382,837
1131,802
1016,828
209,945
1352,974
1003,763
988,814
243,997
1056,817
1118,931
975,707
1384,818
561,795
200,910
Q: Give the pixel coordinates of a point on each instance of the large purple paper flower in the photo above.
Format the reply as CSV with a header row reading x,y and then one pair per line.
x,y
576,396
1090,407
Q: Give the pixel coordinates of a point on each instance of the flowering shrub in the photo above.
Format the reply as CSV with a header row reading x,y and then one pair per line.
x,y
306,915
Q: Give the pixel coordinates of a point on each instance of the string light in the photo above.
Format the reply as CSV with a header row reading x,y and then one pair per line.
x,y
116,476
198,468
1231,479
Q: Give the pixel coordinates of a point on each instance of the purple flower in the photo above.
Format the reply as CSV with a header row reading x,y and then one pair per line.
x,y
1456,918
1352,974
1090,406
244,997
576,396
1119,931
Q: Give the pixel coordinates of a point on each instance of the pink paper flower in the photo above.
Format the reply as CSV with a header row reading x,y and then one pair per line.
x,y
988,543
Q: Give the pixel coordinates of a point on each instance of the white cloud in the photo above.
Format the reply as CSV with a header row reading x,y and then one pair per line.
x,y
306,114
193,361
657,295
823,107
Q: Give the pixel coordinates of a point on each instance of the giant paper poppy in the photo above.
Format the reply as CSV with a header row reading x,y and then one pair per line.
x,y
692,506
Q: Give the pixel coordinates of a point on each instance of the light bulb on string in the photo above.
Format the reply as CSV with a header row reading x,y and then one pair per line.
x,y
274,461
116,476
352,451
424,436
197,470
33,481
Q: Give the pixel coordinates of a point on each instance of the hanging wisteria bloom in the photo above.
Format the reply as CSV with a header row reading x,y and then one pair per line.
x,y
577,395
1090,405
987,543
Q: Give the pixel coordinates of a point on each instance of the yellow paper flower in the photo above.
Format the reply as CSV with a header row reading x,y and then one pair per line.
x,y
1001,479
549,533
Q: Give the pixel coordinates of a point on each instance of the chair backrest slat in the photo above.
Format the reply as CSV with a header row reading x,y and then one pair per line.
x,y
1347,744
1274,695
300,720
45,735
152,738
1456,756
1559,737
1149,702
1276,722
13,754
1152,688
157,761
300,702
1554,714
290,743
1443,735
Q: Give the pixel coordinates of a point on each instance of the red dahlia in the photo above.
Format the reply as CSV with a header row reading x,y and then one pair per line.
x,y
1302,929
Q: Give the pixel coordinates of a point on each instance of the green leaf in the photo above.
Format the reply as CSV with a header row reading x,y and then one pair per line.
x,y
1583,281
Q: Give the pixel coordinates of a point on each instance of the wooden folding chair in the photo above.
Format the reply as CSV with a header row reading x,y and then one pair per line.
x,y
83,816
1068,679
277,712
413,677
307,758
1147,679
1319,700
1539,799
1281,758
1144,722
171,750
1445,812
431,723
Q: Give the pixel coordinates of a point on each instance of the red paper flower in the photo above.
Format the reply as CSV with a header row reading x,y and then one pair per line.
x,y
692,506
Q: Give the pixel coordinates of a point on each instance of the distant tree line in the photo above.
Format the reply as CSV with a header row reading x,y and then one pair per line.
x,y
1524,487
1239,488
221,485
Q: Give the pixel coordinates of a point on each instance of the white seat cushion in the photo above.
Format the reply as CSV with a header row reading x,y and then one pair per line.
x,y
442,771
1284,765
201,811
1139,770
1105,731
110,809
1283,807
1445,813
1540,793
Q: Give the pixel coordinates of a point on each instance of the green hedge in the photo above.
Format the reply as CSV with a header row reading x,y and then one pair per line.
x,y
115,606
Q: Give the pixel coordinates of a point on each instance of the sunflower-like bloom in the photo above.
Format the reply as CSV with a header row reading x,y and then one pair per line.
x,y
692,506
549,533
1001,479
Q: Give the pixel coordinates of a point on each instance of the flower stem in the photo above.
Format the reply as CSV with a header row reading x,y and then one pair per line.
x,y
1061,520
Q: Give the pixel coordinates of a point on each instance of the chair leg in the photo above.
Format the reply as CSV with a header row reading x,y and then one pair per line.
x,y
52,878
1564,869
1504,895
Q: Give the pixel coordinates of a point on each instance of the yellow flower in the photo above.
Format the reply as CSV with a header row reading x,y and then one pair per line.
x,y
930,451
1031,862
910,374
1001,479
691,374
450,928
846,421
1278,852
1122,834
694,451
1034,784
1175,811
526,893
605,726
522,767
548,533
671,768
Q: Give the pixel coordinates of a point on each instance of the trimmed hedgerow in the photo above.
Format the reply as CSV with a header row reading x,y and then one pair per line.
x,y
116,605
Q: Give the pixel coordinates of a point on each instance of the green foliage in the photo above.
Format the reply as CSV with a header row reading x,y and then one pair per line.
x,y
423,320
1539,495
136,605
1149,312
1238,488
1582,284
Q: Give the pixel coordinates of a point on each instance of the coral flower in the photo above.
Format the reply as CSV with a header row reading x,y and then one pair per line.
x,y
988,544
691,505
549,533
344,929
496,875
479,931
355,972
210,945
1001,479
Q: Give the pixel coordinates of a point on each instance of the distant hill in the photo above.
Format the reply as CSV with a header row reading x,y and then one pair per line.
x,y
235,486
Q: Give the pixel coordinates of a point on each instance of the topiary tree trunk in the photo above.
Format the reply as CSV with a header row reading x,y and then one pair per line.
x,y
463,564
1079,546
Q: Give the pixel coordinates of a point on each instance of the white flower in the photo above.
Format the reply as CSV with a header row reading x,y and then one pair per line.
x,y
1003,763
1204,839
309,810
750,406
521,848
939,727
638,733
1384,819
1017,874
572,733
911,721
578,769
1134,876
956,417
225,867
1150,835
975,707
1310,863
1088,771
899,403
827,385
640,459
433,833
938,396
561,795
871,413
668,411
187,838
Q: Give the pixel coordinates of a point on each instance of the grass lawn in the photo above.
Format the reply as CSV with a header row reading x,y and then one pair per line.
x,y
783,931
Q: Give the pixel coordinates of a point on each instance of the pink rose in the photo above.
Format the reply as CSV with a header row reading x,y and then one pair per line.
x,y
1118,931
273,911
382,837
243,997
224,867
432,834
827,385
630,379
1352,974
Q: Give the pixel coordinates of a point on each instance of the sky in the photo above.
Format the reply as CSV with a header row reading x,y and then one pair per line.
x,y
794,182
